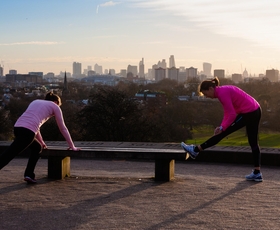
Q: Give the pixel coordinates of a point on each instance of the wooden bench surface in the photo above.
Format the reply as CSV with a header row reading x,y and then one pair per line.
x,y
117,152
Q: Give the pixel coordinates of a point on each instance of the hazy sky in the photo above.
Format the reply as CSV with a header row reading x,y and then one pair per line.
x,y
49,35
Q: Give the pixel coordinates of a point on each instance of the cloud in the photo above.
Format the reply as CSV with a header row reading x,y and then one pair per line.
x,y
110,3
106,4
30,43
250,20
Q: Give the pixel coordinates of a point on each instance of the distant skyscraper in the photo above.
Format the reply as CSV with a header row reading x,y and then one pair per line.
x,y
160,74
207,69
112,72
132,69
98,69
123,72
191,72
1,71
219,73
77,69
272,75
237,77
141,69
182,77
173,73
171,61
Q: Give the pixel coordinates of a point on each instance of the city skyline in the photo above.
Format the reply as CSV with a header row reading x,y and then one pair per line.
x,y
49,36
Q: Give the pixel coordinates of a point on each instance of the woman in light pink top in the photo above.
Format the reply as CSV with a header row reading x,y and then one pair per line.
x,y
27,133
240,110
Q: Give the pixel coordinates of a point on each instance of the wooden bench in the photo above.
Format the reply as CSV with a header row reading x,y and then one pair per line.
x,y
163,154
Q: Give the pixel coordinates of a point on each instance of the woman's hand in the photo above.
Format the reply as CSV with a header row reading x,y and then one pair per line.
x,y
218,130
44,146
74,148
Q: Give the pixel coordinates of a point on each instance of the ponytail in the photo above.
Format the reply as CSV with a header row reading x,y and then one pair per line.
x,y
205,85
53,97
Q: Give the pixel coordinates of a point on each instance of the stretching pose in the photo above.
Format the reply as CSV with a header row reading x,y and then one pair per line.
x,y
27,133
240,109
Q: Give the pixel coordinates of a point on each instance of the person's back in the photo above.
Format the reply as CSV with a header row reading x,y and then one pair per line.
x,y
241,101
37,113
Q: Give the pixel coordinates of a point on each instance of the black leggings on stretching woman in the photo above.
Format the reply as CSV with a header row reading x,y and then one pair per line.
x,y
251,121
24,138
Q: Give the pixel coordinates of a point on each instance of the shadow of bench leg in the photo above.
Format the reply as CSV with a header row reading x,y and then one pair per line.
x,y
164,169
58,167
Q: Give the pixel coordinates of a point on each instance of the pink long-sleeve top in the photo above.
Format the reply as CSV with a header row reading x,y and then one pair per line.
x,y
234,101
37,113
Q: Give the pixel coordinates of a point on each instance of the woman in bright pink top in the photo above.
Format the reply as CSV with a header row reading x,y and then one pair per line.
x,y
27,133
240,110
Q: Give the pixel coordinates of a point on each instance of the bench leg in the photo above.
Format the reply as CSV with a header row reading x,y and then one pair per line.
x,y
164,169
58,167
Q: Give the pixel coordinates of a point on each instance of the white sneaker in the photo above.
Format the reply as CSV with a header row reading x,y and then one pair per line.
x,y
190,149
256,177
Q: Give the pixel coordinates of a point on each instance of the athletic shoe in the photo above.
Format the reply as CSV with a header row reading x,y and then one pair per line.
x,y
29,180
255,177
190,149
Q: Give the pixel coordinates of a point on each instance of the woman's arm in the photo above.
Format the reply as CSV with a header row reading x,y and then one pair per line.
x,y
63,129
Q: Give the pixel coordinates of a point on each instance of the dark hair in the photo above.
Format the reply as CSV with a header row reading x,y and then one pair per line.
x,y
205,85
53,97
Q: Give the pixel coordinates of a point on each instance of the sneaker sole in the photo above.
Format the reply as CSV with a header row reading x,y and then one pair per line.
x,y
30,180
190,155
257,180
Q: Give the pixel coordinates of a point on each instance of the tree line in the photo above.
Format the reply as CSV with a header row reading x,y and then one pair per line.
x,y
113,113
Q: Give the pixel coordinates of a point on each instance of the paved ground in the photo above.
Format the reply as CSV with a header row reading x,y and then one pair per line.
x,y
123,195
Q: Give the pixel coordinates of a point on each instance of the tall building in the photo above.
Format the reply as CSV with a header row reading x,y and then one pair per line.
x,y
171,61
160,74
272,75
141,69
162,64
191,72
219,73
207,69
182,74
98,69
1,71
173,73
132,69
123,72
65,90
77,69
237,77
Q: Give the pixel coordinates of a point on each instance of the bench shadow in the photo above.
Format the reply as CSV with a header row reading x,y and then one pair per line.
x,y
239,187
80,213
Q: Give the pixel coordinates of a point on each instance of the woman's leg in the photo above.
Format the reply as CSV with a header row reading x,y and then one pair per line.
x,y
252,127
238,123
23,138
36,149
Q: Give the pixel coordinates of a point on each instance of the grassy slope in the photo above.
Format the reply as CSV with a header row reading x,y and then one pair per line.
x,y
238,138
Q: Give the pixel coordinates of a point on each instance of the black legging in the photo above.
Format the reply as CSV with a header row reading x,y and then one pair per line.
x,y
24,138
251,121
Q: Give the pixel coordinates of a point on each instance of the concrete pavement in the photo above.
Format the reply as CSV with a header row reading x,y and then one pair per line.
x,y
123,195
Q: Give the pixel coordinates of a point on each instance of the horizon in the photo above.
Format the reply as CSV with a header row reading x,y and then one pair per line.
x,y
49,36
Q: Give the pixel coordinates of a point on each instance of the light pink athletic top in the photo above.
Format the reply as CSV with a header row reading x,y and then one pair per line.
x,y
37,113
235,101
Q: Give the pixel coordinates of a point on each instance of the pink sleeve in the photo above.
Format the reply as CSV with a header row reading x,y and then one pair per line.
x,y
62,127
229,111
